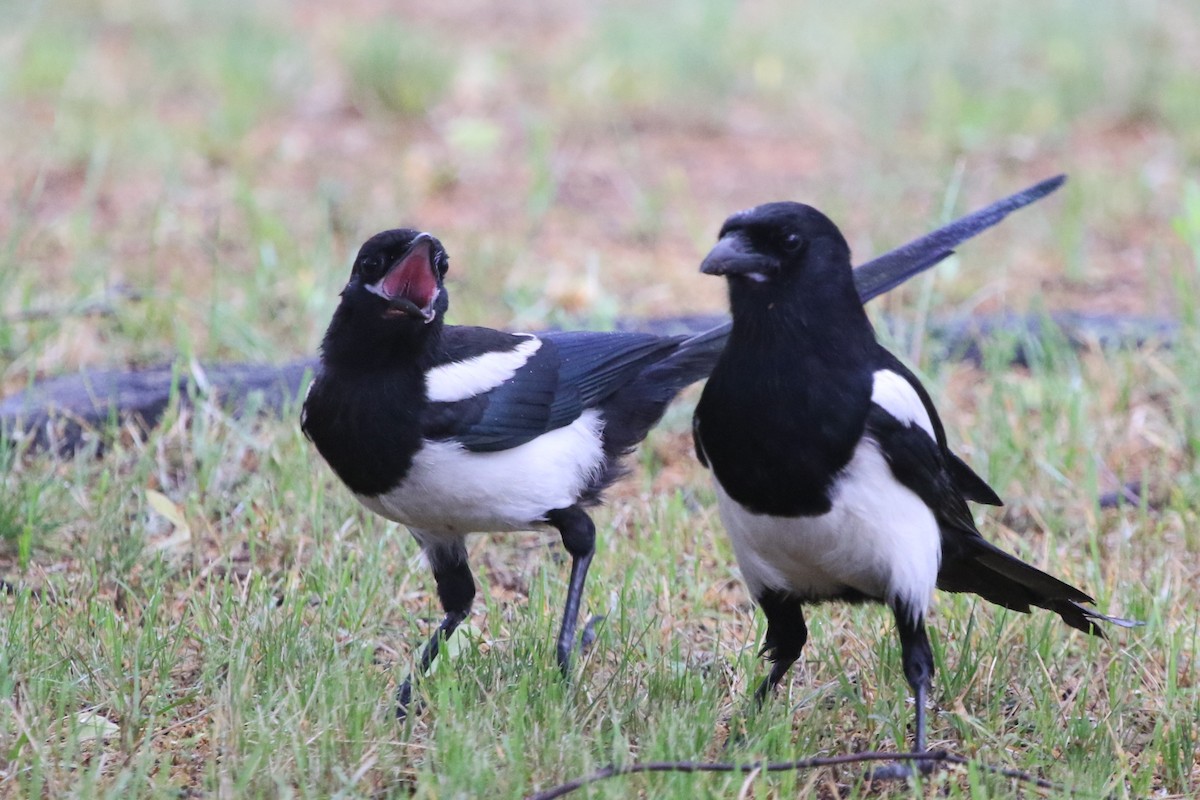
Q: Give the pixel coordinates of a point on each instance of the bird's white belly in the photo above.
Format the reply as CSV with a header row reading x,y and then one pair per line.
x,y
879,538
452,491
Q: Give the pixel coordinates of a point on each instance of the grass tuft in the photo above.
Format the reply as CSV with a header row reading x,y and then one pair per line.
x,y
395,70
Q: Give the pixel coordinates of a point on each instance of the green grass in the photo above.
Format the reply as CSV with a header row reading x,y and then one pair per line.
x,y
204,611
272,630
396,70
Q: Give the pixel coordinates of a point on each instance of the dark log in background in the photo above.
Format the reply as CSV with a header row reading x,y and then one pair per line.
x,y
57,415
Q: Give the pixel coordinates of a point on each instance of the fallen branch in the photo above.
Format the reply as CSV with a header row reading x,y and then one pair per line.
x,y
930,757
55,414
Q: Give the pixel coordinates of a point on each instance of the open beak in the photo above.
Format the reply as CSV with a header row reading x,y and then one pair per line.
x,y
734,255
410,285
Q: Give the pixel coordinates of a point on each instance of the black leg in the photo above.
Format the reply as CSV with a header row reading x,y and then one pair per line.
x,y
456,590
579,537
917,658
786,635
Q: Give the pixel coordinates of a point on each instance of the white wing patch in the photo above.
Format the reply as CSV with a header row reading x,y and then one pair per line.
x,y
895,395
459,380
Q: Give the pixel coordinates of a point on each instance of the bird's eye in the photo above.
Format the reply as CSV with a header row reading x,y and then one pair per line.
x,y
793,242
372,266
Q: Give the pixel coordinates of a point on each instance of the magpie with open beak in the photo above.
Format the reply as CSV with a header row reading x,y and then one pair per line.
x,y
833,475
451,430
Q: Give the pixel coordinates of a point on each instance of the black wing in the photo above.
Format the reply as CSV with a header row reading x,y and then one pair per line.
x,y
969,562
568,373
968,483
919,463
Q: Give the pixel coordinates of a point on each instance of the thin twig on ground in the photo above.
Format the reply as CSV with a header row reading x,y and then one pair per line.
x,y
932,756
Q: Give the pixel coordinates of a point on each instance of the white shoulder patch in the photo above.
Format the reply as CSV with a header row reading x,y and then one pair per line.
x,y
895,395
304,405
459,380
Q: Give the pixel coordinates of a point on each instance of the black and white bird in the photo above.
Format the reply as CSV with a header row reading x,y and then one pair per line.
x,y
451,430
832,472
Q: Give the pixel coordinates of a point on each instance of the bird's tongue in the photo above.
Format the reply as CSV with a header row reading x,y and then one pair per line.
x,y
412,278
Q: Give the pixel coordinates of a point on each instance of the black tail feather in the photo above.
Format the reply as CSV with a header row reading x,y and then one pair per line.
x,y
879,277
972,564
891,269
1085,619
637,407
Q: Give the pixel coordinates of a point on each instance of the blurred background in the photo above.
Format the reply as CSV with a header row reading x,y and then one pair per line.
x,y
203,610
194,178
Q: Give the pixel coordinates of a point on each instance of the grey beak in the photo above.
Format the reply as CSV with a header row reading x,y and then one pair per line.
x,y
734,255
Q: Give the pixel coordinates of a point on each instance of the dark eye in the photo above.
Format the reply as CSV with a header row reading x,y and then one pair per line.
x,y
370,267
793,242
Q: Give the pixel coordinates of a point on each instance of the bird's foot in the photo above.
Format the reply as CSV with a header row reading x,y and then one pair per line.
x,y
901,771
735,739
567,649
589,633
404,704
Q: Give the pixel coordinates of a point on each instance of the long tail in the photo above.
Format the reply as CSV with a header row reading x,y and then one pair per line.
x,y
640,404
892,269
972,564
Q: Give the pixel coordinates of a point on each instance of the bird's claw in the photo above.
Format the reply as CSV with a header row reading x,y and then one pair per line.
x,y
901,772
404,701
589,633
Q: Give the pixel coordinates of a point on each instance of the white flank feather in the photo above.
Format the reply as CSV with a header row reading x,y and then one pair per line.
x,y
879,538
450,490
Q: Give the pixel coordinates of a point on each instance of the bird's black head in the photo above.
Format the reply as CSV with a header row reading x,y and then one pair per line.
x,y
776,241
394,301
404,269
785,256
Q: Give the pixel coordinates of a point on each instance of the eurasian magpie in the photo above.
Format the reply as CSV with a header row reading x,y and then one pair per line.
x,y
451,430
833,476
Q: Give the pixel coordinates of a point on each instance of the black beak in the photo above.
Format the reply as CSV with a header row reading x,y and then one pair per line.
x,y
734,255
410,286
